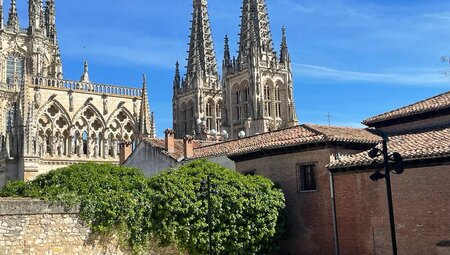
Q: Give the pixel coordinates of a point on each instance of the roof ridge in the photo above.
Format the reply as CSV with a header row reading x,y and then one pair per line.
x,y
373,118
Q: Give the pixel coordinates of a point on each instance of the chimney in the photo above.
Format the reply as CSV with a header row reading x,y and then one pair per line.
x,y
188,147
125,152
170,140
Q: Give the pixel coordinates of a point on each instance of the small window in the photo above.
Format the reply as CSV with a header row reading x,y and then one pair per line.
x,y
306,178
251,173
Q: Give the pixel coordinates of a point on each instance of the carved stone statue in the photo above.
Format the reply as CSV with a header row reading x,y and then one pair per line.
x,y
37,98
71,108
105,104
106,148
114,148
61,147
72,146
96,147
135,108
80,146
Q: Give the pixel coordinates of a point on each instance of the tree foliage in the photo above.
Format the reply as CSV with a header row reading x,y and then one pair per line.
x,y
245,211
169,207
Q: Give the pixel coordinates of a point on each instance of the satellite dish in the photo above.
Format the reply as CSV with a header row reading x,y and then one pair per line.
x,y
199,121
241,134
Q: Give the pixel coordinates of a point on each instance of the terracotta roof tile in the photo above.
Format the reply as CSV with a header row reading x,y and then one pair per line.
x,y
417,145
297,135
431,104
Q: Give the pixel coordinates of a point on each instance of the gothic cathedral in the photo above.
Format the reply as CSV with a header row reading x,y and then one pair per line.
x,y
48,122
255,93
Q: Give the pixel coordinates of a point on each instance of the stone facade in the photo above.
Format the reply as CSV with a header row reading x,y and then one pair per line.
x,y
47,122
255,94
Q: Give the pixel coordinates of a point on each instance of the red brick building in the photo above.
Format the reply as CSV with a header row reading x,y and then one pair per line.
x,y
421,134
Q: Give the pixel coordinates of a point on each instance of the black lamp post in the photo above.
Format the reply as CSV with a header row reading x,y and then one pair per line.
x,y
207,189
397,159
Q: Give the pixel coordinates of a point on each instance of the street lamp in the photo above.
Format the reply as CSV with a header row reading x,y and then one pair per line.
x,y
207,188
397,159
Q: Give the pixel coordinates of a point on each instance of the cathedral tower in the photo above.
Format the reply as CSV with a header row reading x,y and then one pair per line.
x,y
197,98
258,84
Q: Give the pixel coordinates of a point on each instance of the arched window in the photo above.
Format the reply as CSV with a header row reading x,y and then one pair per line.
x,y
190,118
14,69
209,115
219,116
237,103
245,103
277,102
267,100
183,119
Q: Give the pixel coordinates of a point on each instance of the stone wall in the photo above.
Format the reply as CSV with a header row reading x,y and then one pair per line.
x,y
37,227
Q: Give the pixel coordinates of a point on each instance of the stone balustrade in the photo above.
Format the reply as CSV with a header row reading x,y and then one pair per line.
x,y
87,87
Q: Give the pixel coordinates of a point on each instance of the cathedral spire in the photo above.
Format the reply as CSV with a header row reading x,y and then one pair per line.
x,y
50,21
13,18
202,63
226,52
35,14
177,78
145,125
284,52
255,30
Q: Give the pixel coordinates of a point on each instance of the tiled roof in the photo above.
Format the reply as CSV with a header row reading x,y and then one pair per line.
x,y
294,136
431,104
418,145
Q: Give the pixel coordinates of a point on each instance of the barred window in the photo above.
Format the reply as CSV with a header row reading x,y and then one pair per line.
x,y
306,178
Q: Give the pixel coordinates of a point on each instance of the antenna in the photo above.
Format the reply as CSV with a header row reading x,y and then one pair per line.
x,y
329,117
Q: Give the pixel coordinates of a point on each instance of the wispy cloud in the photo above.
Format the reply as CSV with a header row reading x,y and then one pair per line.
x,y
413,78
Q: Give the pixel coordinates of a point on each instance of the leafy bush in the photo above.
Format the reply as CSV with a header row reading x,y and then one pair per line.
x,y
121,201
245,211
113,199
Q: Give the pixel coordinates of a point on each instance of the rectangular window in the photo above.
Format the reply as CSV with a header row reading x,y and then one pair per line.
x,y
306,178
251,172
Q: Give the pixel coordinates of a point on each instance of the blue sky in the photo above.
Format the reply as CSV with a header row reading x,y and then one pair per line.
x,y
353,59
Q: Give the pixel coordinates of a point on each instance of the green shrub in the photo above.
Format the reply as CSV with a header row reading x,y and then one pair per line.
x,y
245,212
120,201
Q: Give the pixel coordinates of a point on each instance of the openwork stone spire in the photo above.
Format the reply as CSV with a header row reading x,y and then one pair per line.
x,y
202,63
50,21
284,52
35,14
146,125
255,33
13,18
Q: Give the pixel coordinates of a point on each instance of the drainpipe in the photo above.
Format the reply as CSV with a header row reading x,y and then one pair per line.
x,y
333,209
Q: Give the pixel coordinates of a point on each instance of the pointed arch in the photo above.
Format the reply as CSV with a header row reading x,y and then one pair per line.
x,y
117,111
58,105
80,112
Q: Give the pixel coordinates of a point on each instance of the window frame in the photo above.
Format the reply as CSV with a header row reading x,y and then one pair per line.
x,y
302,186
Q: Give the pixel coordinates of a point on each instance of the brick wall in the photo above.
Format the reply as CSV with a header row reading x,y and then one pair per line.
x,y
309,214
422,212
36,227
